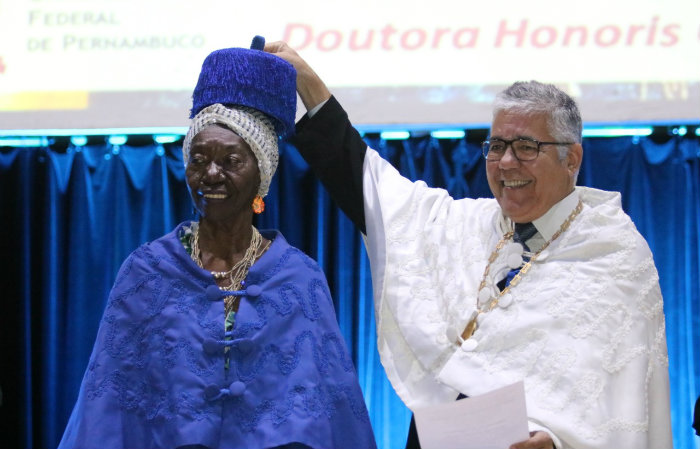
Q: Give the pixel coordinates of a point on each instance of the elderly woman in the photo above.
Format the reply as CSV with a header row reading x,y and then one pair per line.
x,y
217,335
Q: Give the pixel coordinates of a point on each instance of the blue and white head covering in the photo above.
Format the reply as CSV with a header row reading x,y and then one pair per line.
x,y
252,93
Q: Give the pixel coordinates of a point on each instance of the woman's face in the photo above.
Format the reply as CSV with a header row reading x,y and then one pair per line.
x,y
222,174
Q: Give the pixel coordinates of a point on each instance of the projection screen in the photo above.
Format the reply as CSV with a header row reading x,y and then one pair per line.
x,y
86,64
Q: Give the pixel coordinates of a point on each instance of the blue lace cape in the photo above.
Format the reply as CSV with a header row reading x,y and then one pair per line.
x,y
156,376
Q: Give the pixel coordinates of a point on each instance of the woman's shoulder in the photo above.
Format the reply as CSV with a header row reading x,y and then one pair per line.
x,y
282,257
161,254
172,242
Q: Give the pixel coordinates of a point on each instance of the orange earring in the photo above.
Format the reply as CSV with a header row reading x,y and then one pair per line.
x,y
258,205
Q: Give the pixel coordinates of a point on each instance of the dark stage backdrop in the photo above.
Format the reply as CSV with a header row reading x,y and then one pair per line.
x,y
71,215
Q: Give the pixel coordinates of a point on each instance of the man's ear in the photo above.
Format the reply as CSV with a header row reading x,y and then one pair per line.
x,y
574,158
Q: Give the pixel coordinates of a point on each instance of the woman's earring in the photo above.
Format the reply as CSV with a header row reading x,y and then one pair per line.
x,y
258,205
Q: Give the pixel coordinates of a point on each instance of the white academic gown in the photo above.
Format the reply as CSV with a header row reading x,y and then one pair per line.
x,y
584,328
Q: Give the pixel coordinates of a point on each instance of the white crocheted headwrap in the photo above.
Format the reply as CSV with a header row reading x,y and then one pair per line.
x,y
252,125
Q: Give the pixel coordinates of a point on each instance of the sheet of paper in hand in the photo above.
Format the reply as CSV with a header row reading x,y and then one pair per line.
x,y
493,420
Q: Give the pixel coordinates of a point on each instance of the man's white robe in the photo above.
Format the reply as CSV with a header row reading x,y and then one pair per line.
x,y
584,328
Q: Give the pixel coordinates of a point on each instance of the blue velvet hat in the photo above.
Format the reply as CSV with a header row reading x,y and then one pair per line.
x,y
249,77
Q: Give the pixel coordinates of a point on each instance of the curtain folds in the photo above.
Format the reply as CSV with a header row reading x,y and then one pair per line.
x,y
71,216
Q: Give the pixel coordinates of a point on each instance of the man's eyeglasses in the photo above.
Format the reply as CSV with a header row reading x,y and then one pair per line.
x,y
523,149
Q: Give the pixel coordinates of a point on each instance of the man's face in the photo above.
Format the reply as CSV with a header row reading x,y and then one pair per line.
x,y
527,190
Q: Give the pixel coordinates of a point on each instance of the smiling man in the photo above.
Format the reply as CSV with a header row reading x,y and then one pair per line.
x,y
540,170
548,283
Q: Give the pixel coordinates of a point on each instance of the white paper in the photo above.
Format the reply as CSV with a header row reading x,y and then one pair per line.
x,y
493,420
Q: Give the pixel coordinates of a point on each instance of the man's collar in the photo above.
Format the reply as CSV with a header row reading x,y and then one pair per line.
x,y
549,223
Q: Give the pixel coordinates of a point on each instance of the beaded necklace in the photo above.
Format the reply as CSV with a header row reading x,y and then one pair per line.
x,y
240,269
491,300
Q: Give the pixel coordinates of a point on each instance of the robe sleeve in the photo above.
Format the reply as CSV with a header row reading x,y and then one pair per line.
x,y
335,151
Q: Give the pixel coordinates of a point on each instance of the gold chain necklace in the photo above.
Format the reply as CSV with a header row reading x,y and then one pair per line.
x,y
473,323
240,269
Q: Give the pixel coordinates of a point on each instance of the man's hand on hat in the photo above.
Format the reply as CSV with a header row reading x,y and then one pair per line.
x,y
311,88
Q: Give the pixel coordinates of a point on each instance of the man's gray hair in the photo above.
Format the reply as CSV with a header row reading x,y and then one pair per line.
x,y
533,97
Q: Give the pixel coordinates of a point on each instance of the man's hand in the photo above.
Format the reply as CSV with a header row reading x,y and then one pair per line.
x,y
537,440
311,88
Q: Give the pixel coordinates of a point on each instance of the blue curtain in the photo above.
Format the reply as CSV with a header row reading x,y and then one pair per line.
x,y
71,215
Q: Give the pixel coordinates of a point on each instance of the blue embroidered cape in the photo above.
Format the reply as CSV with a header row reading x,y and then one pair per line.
x,y
156,376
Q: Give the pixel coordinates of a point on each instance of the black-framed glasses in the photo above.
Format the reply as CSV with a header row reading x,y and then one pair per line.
x,y
524,149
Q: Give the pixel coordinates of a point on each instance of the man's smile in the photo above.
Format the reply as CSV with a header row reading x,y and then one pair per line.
x,y
514,184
